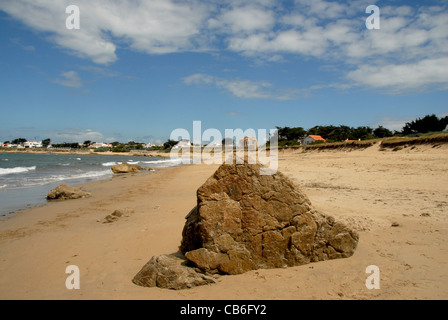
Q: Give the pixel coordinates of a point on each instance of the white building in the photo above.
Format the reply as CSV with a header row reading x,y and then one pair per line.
x,y
312,138
98,145
32,144
182,144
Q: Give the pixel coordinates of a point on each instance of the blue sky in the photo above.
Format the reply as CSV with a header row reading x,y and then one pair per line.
x,y
137,70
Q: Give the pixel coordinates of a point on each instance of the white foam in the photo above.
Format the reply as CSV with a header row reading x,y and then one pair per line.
x,y
56,178
3,186
133,162
109,164
173,161
5,171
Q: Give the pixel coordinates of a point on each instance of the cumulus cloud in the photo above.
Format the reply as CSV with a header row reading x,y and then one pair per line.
x,y
155,27
245,19
410,38
400,77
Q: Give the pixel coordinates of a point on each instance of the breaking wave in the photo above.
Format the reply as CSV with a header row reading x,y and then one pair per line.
x,y
5,171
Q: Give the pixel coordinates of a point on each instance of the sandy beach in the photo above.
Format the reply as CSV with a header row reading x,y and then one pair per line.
x,y
397,201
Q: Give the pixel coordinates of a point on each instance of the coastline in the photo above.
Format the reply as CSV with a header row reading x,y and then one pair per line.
x,y
369,190
26,178
109,153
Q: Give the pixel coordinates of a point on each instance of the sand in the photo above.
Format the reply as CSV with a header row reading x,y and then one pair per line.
x,y
370,190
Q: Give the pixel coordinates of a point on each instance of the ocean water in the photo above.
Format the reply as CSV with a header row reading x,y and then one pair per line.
x,y
26,178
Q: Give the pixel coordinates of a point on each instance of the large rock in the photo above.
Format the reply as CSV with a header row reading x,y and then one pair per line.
x,y
245,221
169,272
65,192
126,168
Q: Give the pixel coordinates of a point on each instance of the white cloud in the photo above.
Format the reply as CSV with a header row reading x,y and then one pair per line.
x,y
246,89
198,78
410,38
157,26
75,135
403,77
393,123
69,79
248,18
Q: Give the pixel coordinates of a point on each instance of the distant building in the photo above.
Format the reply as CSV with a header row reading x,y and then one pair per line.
x,y
98,145
312,138
248,143
32,144
182,144
446,129
215,144
347,140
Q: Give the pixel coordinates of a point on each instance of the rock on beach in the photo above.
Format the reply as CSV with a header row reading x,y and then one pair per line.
x,y
245,221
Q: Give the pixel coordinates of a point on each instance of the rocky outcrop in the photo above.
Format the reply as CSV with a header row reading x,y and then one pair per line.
x,y
65,192
127,168
170,272
245,221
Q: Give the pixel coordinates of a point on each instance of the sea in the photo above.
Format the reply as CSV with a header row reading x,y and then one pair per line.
x,y
26,178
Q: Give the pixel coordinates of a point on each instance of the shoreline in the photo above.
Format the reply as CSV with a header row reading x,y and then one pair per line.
x,y
370,190
130,154
17,198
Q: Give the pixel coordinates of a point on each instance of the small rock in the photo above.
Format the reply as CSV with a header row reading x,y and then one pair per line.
x,y
117,214
395,224
170,272
126,168
65,192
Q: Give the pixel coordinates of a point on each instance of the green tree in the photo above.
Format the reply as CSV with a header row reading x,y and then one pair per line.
x,y
429,123
362,133
382,132
46,142
290,134
169,144
19,141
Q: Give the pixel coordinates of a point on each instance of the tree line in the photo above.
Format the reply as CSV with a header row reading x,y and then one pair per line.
x,y
429,123
291,136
